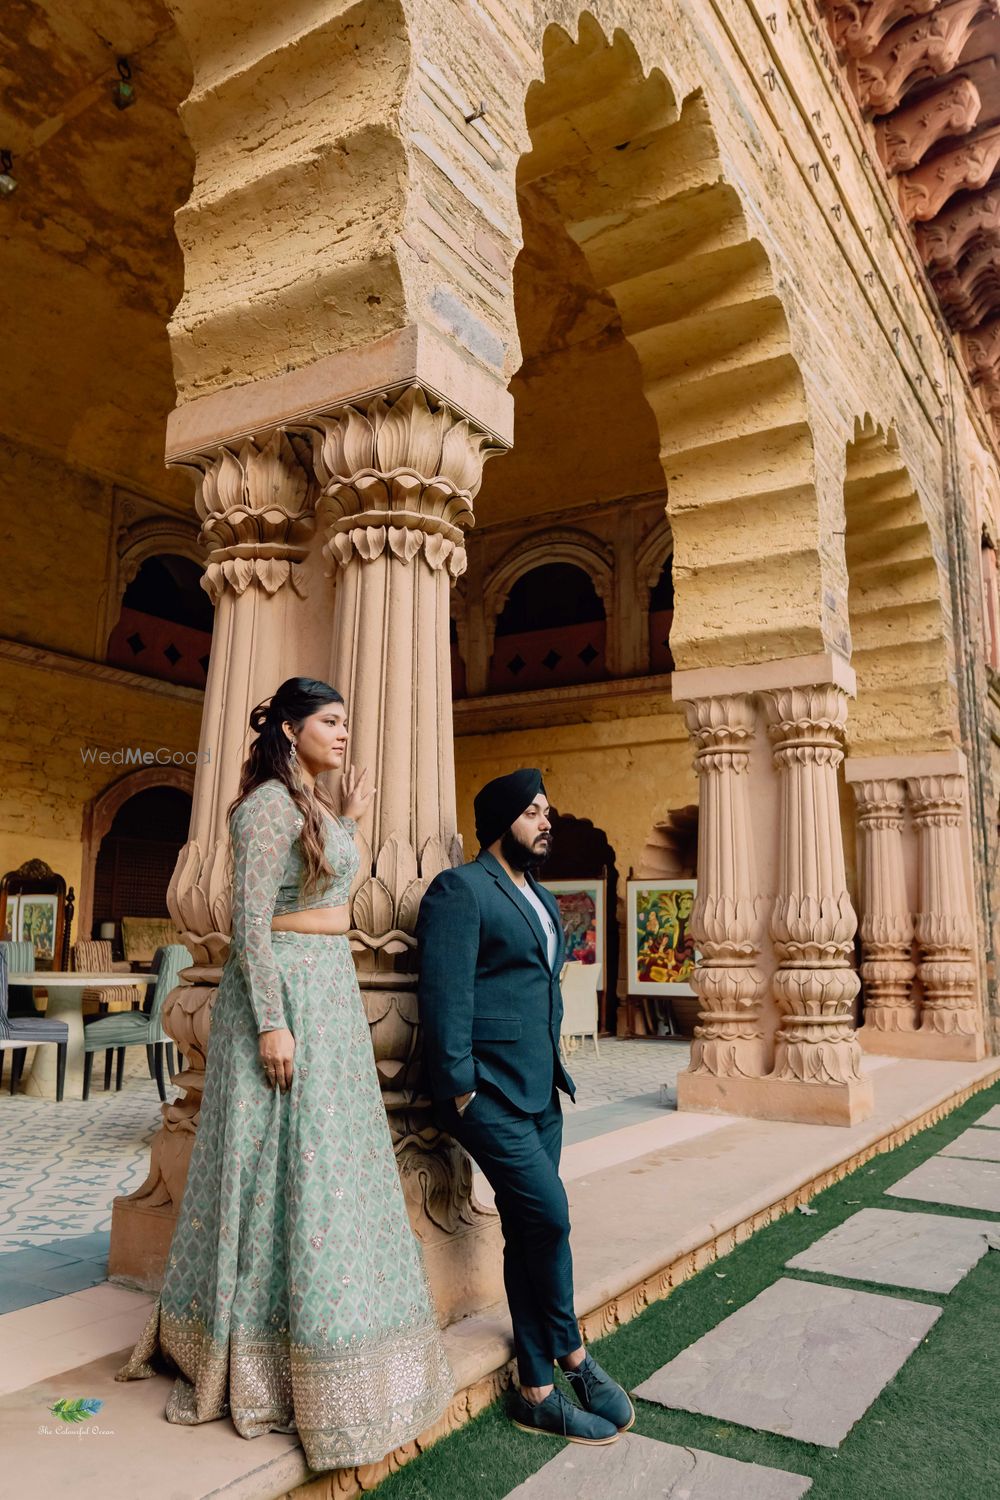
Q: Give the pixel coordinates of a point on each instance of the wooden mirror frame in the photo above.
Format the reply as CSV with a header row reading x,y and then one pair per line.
x,y
36,878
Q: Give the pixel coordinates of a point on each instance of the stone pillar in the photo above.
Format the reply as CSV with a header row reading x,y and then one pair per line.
x,y
255,500
952,1020
771,823
729,908
887,969
918,873
817,1065
398,473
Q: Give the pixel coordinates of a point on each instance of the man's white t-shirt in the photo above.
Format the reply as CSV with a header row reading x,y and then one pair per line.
x,y
545,917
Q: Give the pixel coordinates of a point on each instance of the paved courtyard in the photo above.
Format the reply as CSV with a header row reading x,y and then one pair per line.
x,y
64,1163
657,1199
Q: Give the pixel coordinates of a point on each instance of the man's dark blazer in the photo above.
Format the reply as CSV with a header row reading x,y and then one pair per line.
x,y
490,1006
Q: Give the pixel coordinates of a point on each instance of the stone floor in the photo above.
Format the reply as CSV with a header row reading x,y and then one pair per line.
x,y
63,1163
669,1183
803,1359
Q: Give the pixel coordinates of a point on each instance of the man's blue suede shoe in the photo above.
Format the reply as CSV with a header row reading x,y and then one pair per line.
x,y
599,1394
557,1417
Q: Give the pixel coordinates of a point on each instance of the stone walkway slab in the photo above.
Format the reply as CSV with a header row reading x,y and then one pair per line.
x,y
991,1118
801,1360
926,1252
647,1470
949,1179
976,1145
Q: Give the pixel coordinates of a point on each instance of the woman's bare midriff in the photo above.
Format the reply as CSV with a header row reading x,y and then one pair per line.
x,y
335,921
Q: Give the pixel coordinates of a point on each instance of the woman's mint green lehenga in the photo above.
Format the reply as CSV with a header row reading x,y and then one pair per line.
x,y
295,1295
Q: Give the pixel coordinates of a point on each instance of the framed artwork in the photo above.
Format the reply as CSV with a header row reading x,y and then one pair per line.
x,y
9,923
661,951
37,917
581,907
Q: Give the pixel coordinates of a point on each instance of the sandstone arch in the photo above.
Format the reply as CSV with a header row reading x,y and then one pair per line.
x,y
897,603
563,545
651,558
99,814
637,179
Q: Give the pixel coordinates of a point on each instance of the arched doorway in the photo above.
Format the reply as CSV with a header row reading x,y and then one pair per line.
x,y
581,851
132,834
661,617
165,626
137,855
551,631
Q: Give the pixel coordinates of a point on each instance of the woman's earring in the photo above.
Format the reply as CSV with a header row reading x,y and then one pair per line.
x,y
292,752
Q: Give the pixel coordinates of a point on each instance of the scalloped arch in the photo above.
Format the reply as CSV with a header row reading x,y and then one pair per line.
x,y
898,604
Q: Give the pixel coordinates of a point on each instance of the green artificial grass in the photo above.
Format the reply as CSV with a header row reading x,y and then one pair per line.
x,y
933,1432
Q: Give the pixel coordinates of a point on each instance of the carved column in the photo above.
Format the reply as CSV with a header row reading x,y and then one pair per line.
x,y
256,504
945,925
887,969
728,912
398,475
813,922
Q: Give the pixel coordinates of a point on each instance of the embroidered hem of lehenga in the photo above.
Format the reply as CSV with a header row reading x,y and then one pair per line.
x,y
351,1403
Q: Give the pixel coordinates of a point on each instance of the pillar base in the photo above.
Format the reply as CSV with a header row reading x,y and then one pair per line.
x,y
140,1243
777,1098
933,1046
465,1271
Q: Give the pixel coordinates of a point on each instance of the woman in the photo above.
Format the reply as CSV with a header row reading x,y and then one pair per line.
x,y
295,1295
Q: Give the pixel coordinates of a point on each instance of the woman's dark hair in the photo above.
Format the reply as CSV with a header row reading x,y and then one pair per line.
x,y
271,759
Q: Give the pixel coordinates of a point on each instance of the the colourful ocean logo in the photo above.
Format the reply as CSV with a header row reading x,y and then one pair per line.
x,y
78,1410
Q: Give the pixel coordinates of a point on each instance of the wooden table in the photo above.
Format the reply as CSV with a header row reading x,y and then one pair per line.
x,y
65,1004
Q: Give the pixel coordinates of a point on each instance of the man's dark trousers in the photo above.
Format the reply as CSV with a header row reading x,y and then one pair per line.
x,y
519,1156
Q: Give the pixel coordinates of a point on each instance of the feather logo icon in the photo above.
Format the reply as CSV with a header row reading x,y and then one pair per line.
x,y
78,1410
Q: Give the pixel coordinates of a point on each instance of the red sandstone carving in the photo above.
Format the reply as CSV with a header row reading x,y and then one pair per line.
x,y
858,28
973,221
982,353
905,137
925,191
971,293
927,48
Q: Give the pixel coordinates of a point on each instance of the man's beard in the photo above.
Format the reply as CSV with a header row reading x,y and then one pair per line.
x,y
522,856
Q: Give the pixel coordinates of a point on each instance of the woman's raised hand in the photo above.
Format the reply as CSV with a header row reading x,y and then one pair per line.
x,y
357,792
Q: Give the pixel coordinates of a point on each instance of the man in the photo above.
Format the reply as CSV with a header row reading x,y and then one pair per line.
x,y
491,950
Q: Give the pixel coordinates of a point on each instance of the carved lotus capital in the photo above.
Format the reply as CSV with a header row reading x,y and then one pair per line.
x,y
255,502
937,799
404,542
881,803
725,723
404,460
812,718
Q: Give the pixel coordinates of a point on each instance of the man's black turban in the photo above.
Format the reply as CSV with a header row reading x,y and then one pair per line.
x,y
502,801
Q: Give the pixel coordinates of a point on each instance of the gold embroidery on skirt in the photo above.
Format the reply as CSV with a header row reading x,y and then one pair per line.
x,y
351,1402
